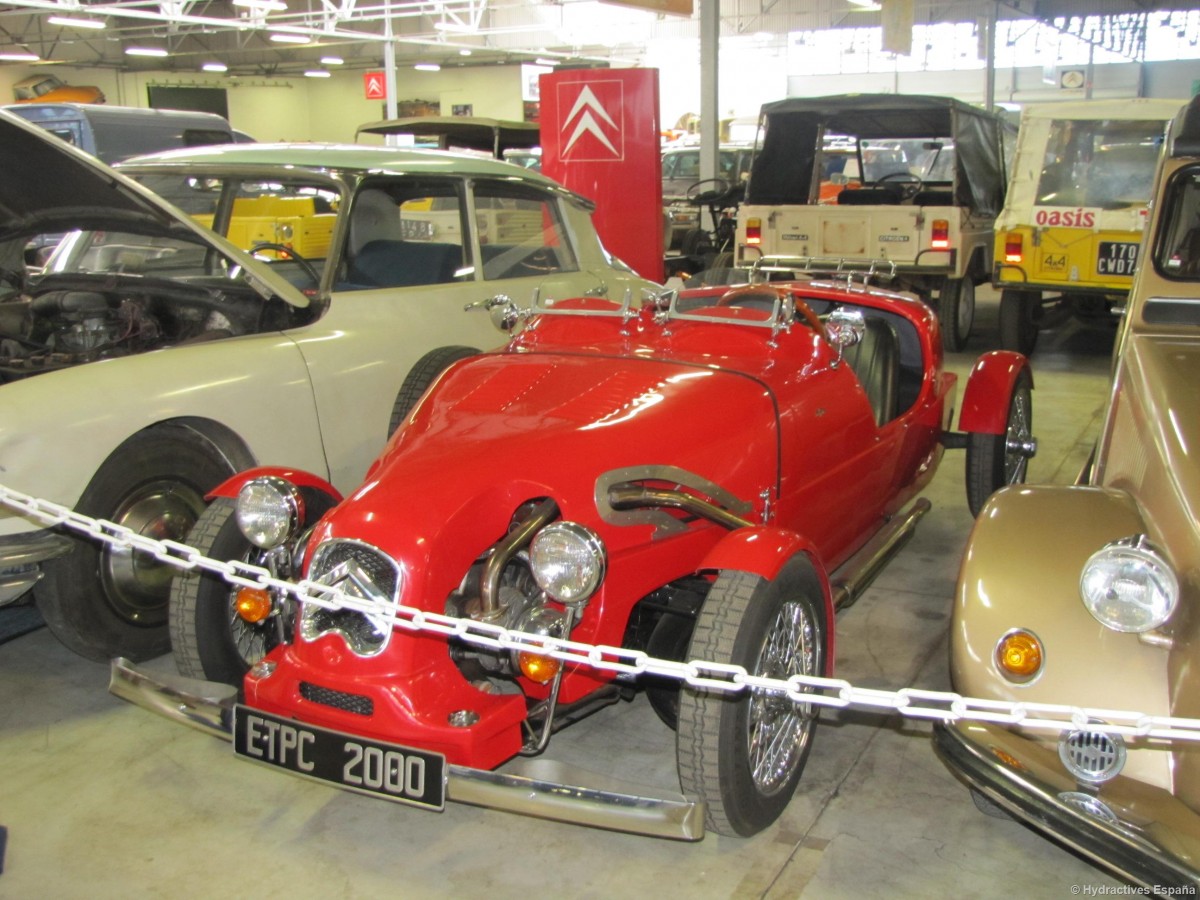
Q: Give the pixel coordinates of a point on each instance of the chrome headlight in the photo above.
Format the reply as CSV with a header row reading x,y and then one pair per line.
x,y
567,561
269,511
1128,586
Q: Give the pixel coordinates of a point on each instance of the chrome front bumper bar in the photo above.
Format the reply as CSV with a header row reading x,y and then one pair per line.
x,y
527,787
1125,850
21,557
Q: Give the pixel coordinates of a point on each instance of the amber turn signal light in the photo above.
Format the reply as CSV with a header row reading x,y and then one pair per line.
x,y
538,668
253,604
1019,656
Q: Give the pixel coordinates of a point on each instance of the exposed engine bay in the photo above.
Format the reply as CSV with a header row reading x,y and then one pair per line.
x,y
62,321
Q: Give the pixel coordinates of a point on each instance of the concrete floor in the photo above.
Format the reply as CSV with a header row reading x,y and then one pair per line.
x,y
102,799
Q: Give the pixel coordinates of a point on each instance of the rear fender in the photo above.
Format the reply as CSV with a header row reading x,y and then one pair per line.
x,y
298,477
989,387
764,550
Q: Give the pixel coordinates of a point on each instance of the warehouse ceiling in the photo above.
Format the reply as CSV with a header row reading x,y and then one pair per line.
x,y
248,35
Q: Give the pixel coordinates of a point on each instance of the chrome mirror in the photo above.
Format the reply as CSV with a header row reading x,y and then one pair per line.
x,y
844,328
503,311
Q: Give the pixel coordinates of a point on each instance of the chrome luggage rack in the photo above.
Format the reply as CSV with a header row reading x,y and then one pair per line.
x,y
864,272
849,274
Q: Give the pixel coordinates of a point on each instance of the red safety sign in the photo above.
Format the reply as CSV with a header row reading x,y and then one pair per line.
x,y
375,85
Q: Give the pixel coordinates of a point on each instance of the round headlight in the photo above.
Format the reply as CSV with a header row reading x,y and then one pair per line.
x,y
567,561
269,511
1128,586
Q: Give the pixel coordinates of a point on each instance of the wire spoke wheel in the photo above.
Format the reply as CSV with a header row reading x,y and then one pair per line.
x,y
780,729
997,460
743,753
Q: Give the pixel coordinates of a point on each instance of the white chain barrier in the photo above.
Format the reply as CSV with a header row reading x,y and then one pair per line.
x,y
941,706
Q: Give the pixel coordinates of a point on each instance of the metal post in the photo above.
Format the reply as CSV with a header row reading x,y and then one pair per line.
x,y
710,124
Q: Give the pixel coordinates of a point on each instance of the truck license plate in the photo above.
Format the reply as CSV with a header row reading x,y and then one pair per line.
x,y
397,773
1117,258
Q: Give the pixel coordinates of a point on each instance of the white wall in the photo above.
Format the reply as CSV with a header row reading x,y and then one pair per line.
x,y
331,109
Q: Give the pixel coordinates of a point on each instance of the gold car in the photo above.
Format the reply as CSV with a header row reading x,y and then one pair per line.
x,y
1086,595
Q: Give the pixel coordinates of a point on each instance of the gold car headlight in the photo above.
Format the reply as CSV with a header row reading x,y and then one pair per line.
x,y
1128,586
269,511
567,561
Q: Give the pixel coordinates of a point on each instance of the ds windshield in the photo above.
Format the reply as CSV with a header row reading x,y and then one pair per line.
x,y
1178,252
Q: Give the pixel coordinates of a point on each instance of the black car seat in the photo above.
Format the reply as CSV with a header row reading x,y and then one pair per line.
x,y
875,360
379,256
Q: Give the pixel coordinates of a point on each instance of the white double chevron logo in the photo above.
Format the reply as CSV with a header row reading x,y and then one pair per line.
x,y
588,117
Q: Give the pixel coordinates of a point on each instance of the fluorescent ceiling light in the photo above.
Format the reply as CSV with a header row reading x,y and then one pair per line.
x,y
215,67
19,57
145,51
865,5
464,52
317,73
264,5
427,67
456,27
281,38
332,60
547,62
71,22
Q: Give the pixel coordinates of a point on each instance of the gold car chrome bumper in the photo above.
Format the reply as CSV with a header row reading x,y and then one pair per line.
x,y
1158,845
527,786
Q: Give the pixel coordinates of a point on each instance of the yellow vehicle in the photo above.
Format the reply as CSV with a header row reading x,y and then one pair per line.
x,y
1067,240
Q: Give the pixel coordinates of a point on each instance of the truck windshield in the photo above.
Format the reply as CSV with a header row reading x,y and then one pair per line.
x,y
929,160
1108,164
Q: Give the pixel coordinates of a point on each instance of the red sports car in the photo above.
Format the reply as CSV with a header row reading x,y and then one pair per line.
x,y
707,476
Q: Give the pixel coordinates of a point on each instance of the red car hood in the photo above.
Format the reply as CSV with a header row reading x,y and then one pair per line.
x,y
502,429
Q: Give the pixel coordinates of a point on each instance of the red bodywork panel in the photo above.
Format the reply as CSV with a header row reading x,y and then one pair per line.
x,y
230,487
775,421
990,384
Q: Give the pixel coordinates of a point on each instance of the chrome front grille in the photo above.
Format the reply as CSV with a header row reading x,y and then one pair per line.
x,y
364,573
353,703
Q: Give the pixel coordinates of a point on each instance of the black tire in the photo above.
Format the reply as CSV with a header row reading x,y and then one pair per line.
x,y
696,244
209,639
775,628
423,373
1020,319
102,602
956,312
996,460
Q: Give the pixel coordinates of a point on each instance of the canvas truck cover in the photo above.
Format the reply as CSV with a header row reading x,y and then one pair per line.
x,y
794,128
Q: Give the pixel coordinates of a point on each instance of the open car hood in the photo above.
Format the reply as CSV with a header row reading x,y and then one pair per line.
x,y
48,186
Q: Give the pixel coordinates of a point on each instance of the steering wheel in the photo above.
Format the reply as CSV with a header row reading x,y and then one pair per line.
x,y
758,296
910,184
702,193
309,269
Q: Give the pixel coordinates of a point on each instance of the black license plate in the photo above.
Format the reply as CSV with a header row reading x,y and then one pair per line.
x,y
397,773
1117,258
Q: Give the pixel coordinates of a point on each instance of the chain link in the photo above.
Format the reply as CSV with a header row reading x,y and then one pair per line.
x,y
940,706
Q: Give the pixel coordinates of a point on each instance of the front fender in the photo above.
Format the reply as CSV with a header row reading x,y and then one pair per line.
x,y
989,387
1021,569
764,550
301,479
58,428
